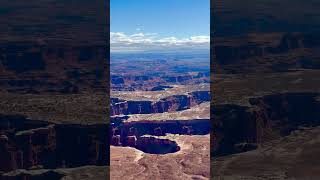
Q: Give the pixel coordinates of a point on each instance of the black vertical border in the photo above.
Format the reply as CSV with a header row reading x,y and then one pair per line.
x,y
107,68
211,82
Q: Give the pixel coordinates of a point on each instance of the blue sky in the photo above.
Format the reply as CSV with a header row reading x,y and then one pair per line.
x,y
139,25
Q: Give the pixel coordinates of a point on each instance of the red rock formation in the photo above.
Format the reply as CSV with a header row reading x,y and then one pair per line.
x,y
47,146
168,104
132,133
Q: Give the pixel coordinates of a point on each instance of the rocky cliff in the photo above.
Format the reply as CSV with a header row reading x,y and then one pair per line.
x,y
32,144
168,104
133,134
239,128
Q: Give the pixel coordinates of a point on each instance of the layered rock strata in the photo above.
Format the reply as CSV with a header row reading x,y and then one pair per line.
x,y
168,104
32,144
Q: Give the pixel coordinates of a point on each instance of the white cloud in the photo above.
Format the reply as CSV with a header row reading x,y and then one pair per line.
x,y
151,41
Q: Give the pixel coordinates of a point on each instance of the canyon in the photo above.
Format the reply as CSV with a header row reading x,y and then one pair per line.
x,y
265,130
268,118
53,81
32,144
264,120
265,106
37,144
148,71
159,121
43,128
176,140
167,104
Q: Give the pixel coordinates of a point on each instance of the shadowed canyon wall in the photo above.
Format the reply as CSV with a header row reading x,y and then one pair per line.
x,y
26,144
239,128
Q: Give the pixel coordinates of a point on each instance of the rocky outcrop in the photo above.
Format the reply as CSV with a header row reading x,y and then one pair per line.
x,y
133,134
32,144
168,104
239,128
